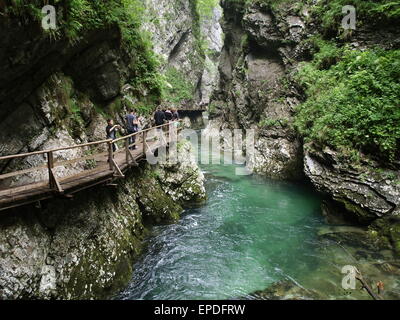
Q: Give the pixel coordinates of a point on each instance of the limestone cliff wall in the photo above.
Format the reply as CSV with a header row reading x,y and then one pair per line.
x,y
54,93
188,41
260,51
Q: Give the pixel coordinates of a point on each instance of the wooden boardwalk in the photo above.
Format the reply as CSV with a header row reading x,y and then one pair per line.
x,y
101,167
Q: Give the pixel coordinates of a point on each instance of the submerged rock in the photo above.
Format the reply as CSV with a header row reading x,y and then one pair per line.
x,y
285,290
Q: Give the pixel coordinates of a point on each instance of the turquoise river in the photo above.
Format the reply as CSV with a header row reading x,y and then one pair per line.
x,y
251,233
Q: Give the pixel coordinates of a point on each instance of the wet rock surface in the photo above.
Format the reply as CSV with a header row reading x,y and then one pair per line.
x,y
285,290
364,194
255,91
183,181
371,190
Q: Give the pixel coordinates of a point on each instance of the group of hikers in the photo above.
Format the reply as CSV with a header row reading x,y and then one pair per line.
x,y
134,123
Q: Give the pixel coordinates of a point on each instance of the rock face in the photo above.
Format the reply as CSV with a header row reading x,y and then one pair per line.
x,y
84,248
32,59
285,290
261,49
364,194
368,194
179,32
183,181
57,115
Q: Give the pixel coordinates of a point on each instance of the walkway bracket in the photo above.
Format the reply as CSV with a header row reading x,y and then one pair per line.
x,y
118,173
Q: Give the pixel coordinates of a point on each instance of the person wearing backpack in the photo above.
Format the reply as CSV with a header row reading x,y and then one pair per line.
x,y
131,127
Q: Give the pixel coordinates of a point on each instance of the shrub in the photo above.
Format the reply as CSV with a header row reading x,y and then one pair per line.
x,y
77,17
329,12
354,104
177,88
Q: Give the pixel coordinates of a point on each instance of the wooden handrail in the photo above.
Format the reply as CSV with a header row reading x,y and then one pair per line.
x,y
141,131
23,155
52,184
53,181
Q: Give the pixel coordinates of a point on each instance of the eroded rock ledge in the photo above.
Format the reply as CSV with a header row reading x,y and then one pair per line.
x,y
366,194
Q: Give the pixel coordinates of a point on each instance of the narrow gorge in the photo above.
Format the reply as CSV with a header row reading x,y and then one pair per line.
x,y
322,100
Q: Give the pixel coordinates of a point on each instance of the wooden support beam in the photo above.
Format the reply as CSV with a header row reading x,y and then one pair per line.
x,y
127,151
134,162
53,182
148,149
130,159
70,184
110,155
111,185
163,137
119,173
144,142
55,185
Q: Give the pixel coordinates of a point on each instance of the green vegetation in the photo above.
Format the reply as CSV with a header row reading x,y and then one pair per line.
x,y
325,53
199,9
177,88
206,7
330,13
202,11
270,123
352,100
76,18
352,96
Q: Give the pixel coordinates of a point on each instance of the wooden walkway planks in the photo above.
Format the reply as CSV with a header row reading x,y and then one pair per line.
x,y
102,173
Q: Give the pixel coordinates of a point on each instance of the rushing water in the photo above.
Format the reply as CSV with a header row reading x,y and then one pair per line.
x,y
250,233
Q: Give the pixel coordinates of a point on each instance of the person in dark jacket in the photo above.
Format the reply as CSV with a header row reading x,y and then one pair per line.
x,y
131,127
111,131
175,115
168,115
159,117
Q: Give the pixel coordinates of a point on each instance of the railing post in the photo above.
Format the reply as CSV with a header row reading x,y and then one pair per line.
x,y
169,133
127,152
50,166
110,155
144,142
